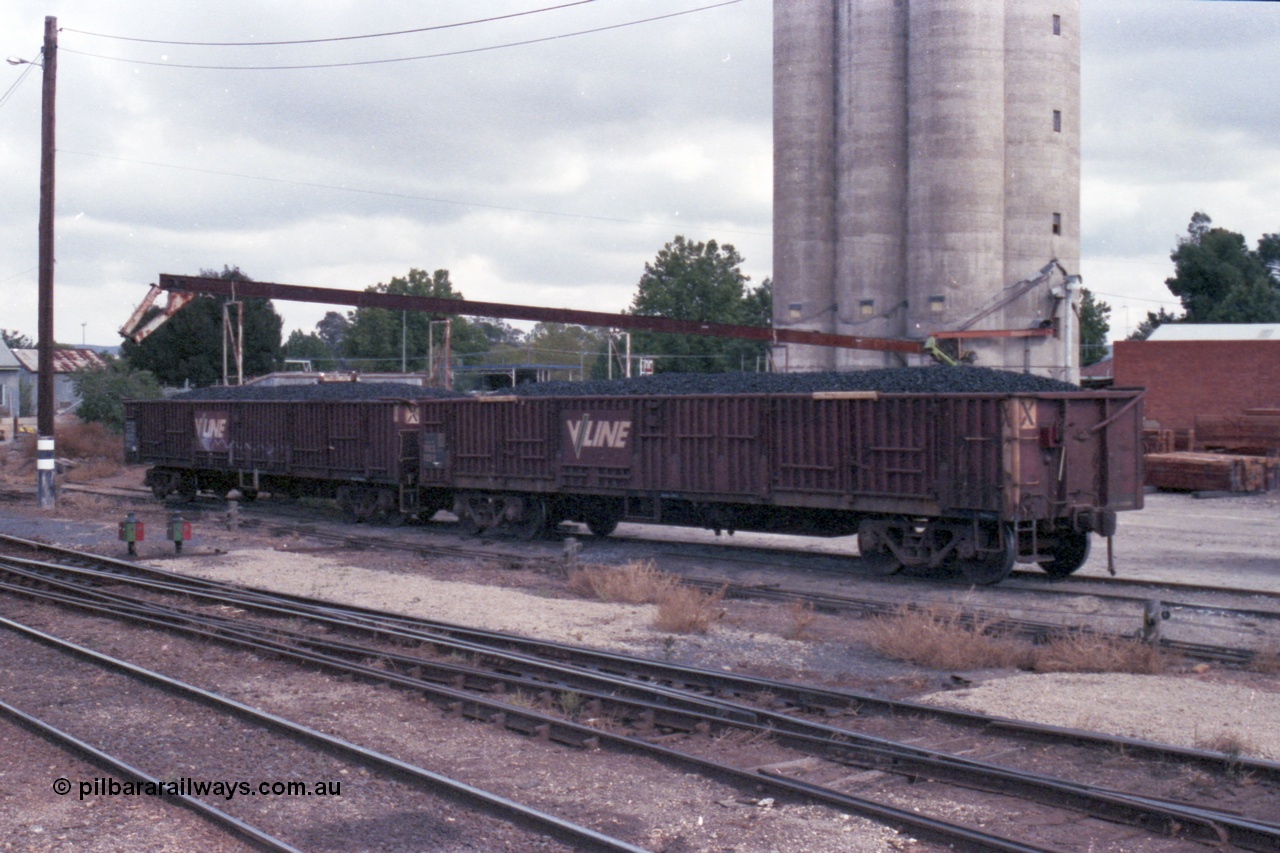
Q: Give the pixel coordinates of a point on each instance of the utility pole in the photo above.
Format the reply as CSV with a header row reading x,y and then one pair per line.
x,y
45,495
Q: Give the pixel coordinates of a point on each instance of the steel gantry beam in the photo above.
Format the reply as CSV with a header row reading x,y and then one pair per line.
x,y
187,284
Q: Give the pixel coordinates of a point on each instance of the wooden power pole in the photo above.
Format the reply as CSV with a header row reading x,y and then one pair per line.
x,y
45,495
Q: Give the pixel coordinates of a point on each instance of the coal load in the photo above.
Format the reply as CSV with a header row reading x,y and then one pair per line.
x,y
341,391
895,380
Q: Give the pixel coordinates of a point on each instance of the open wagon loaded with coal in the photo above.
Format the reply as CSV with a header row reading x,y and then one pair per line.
x,y
357,443
958,467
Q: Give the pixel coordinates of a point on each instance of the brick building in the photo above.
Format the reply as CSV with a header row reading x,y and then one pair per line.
x,y
1207,370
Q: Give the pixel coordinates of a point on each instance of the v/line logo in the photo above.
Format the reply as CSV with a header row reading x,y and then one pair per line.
x,y
211,427
585,433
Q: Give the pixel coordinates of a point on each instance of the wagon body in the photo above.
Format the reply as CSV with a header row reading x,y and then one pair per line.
x,y
1019,457
299,447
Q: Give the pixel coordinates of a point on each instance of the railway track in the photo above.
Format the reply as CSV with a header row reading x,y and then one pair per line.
x,y
657,704
1181,619
206,712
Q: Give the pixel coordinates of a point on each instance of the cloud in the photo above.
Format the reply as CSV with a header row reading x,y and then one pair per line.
x,y
545,174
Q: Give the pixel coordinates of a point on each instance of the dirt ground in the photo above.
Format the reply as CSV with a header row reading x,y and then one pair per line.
x,y
1225,542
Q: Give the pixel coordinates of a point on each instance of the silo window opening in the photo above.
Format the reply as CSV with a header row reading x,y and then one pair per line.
x,y
867,307
795,309
1057,121
1057,25
937,304
1057,223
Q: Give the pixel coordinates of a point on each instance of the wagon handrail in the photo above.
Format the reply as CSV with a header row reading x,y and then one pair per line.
x,y
1101,425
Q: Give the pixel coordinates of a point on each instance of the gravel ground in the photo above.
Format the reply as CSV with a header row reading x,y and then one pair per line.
x,y
1182,711
1198,709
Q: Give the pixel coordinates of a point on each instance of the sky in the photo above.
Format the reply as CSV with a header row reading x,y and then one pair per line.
x,y
542,156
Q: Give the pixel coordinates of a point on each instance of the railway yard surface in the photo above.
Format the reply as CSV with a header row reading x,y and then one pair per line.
x,y
1190,700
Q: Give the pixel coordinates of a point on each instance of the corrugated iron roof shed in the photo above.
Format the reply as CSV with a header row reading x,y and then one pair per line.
x,y
1216,332
64,360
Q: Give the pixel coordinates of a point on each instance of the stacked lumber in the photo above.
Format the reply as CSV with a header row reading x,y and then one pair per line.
x,y
1256,434
1211,472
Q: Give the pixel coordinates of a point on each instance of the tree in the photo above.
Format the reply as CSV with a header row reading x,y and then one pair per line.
x,y
102,391
16,340
1152,322
1269,254
310,347
332,329
379,338
559,343
1219,279
700,282
188,347
1094,324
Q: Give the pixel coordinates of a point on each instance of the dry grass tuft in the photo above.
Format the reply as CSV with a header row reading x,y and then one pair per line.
x,y
94,469
943,638
802,617
1078,652
78,440
681,609
687,611
637,582
1230,745
1267,660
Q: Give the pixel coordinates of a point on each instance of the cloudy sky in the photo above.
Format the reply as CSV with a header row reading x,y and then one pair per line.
x,y
541,158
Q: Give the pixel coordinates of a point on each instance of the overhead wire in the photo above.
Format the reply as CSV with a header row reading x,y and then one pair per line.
x,y
441,55
16,83
416,30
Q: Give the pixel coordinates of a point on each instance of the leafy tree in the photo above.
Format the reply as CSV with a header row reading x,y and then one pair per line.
x,y
376,338
1152,322
102,391
1094,324
1269,254
701,282
309,346
16,340
188,347
331,329
559,343
1219,279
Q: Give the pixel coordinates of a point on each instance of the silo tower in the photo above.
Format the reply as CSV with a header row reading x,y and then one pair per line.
x,y
927,177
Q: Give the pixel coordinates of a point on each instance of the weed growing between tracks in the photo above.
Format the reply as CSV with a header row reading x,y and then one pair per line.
x,y
681,610
945,638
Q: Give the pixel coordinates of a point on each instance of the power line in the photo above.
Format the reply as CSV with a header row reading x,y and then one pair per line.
x,y
441,55
16,83
334,38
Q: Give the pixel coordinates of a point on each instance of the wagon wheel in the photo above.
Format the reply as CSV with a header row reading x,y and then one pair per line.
x,y
534,521
988,567
1069,551
248,495
602,525
161,490
878,559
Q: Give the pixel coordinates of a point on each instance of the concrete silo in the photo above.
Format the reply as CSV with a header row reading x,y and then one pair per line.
x,y
941,137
